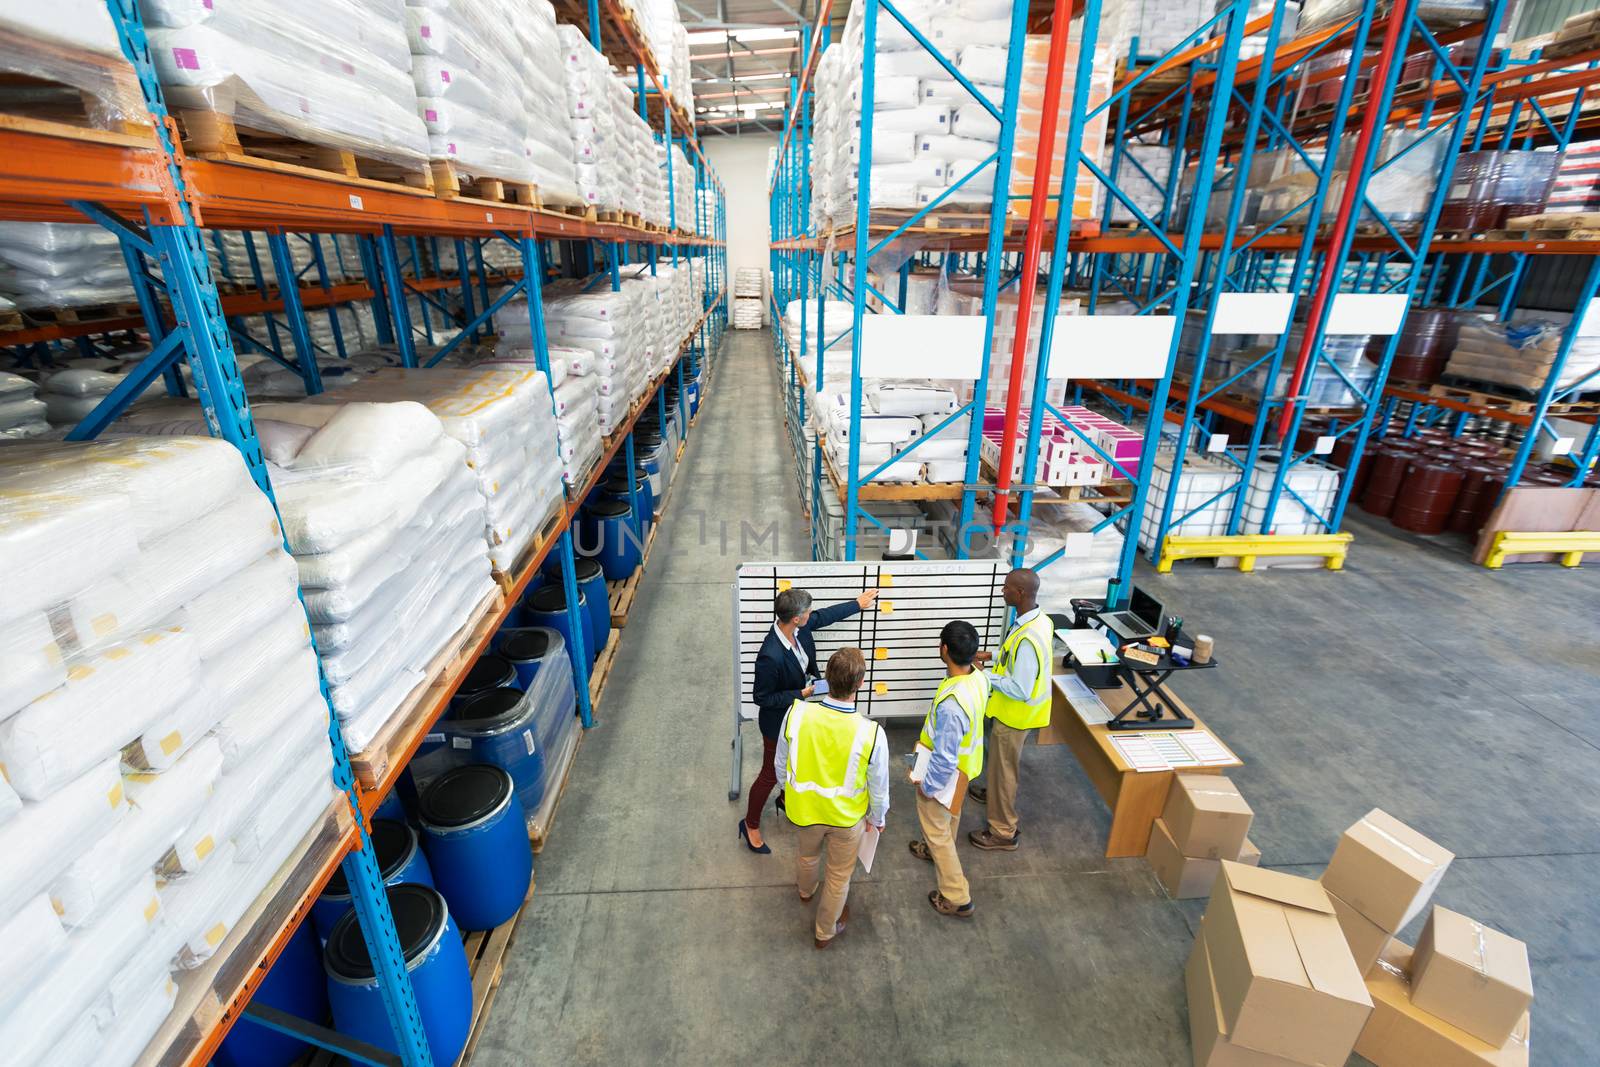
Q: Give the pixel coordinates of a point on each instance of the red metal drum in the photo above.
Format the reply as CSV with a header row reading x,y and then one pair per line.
x,y
1427,496
1388,464
1469,501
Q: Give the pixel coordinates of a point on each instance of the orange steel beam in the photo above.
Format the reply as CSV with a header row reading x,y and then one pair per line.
x,y
40,173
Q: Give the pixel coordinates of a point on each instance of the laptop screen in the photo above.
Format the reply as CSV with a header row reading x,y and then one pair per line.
x,y
1146,607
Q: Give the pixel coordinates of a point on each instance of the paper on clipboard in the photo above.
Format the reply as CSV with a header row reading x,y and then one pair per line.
x,y
919,771
869,847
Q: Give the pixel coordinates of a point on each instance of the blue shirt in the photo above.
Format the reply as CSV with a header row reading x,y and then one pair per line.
x,y
949,727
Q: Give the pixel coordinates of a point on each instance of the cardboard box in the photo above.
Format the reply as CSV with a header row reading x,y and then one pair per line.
x,y
1400,1034
1366,939
1283,973
1207,1037
1249,855
1471,976
1183,877
1385,870
1207,816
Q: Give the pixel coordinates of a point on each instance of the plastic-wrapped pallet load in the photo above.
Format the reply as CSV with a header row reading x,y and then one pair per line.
x,y
1089,558
386,522
502,417
586,77
155,650
1142,176
53,264
1520,354
335,74
70,44
746,313
1317,14
22,413
747,281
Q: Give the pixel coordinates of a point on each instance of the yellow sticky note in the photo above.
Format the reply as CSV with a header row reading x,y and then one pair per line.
x,y
784,585
880,653
880,688
886,606
885,581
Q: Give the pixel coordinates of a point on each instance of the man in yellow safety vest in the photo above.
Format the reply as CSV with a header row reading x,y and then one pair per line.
x,y
834,765
952,732
1019,701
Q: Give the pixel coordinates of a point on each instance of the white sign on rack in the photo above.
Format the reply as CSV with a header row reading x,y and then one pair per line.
x,y
921,346
1111,346
1266,313
1366,313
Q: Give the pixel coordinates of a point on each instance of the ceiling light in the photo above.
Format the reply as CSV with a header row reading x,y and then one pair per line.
x,y
759,77
773,34
708,37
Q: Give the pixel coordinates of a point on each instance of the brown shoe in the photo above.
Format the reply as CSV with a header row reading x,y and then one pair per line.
x,y
919,849
803,898
838,928
944,906
990,841
980,793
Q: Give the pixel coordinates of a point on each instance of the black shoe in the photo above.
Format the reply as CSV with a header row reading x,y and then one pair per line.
x,y
744,832
980,793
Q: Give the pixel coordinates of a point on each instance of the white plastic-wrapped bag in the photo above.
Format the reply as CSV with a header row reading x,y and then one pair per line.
x,y
44,837
281,698
31,663
54,543
33,938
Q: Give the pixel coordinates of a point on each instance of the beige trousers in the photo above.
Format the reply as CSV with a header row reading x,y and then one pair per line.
x,y
1002,762
842,843
939,831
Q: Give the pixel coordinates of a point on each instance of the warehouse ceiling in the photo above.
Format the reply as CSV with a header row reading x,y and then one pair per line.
x,y
742,54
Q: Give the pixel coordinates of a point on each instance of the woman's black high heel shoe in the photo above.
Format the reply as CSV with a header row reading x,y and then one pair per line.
x,y
744,832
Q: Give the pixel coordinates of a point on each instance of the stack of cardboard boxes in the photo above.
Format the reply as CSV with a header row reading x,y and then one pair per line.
x,y
1462,996
1204,822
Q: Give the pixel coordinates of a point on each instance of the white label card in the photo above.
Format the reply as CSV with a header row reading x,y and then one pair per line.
x,y
355,202
921,346
1562,446
1253,313
1111,346
1324,445
1370,313
1218,443
1590,326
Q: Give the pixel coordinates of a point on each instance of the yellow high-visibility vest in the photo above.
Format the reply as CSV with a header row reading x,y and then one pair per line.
x,y
825,779
1033,712
971,691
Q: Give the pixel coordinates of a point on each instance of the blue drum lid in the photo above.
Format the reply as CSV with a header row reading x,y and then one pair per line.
x,y
609,509
552,598
525,645
483,709
393,845
489,672
463,796
420,916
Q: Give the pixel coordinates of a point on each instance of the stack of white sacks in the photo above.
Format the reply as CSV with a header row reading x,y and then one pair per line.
x,y
603,337
894,415
503,418
1160,25
1088,560
483,73
637,159
22,413
587,78
668,41
230,254
53,264
163,734
337,73
386,521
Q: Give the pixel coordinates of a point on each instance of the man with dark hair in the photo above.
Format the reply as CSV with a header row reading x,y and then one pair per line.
x,y
1019,702
784,670
835,769
952,731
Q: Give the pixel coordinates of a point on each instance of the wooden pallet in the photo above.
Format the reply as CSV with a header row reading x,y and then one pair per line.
x,y
102,98
621,594
1500,397
551,529
371,765
601,670
64,316
542,822
450,182
486,957
11,320
578,212
222,138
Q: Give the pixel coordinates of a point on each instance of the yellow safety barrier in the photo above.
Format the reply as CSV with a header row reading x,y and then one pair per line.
x,y
1248,546
1570,544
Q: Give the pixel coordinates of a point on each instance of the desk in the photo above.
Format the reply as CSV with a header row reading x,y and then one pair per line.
x,y
1135,798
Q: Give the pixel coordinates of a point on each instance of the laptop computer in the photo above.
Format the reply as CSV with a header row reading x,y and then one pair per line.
x,y
1144,617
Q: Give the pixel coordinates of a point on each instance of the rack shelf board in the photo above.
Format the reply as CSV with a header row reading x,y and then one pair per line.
x,y
543,822
486,957
212,997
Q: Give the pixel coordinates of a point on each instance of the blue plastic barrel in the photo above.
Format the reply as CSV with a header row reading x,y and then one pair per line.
x,y
391,808
519,616
608,534
526,648
436,960
615,487
295,984
650,460
597,598
548,607
489,672
498,727
394,847
476,836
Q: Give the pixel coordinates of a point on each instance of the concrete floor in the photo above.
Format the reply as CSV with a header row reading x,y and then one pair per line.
x,y
1463,702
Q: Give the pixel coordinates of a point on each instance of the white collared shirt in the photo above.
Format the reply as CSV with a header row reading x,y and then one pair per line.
x,y
797,648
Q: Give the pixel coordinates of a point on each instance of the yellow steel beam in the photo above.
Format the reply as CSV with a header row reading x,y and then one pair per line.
x,y
1248,546
1570,545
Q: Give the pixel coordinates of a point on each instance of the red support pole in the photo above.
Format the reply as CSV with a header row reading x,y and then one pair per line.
x,y
1060,30
1349,209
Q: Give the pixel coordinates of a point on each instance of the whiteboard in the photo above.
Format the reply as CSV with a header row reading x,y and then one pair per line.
x,y
900,643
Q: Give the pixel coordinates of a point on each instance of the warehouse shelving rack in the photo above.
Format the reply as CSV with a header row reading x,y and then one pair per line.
x,y
157,201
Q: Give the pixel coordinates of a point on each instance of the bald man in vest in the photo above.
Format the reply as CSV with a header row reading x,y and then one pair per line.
x,y
834,766
952,732
1019,703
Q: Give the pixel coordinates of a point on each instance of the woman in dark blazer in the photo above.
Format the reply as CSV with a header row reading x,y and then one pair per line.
x,y
786,670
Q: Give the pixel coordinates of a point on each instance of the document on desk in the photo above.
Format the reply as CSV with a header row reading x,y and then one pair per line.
x,y
919,771
1172,751
1206,749
1085,701
1138,752
869,847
